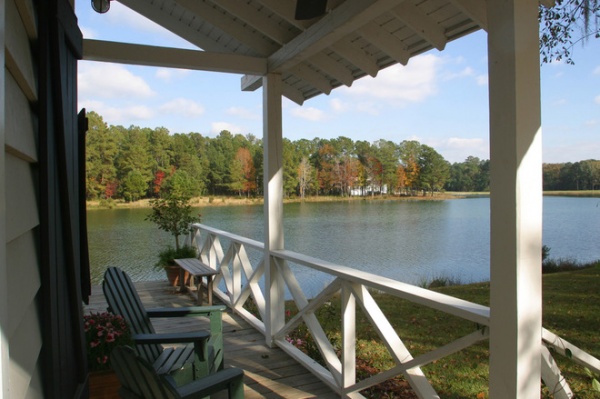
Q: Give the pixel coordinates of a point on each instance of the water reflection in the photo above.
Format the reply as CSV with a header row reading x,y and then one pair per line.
x,y
404,240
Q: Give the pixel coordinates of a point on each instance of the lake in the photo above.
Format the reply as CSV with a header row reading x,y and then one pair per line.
x,y
410,241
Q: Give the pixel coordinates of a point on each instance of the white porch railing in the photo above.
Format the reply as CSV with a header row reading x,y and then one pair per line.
x,y
241,278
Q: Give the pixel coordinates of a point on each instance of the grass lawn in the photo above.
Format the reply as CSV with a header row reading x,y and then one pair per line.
x,y
571,303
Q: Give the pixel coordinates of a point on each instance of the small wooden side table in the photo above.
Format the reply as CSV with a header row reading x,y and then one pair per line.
x,y
197,270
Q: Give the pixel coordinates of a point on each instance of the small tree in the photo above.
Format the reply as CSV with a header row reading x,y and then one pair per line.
x,y
173,214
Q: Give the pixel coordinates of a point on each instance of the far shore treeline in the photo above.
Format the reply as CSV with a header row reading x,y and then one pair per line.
x,y
135,163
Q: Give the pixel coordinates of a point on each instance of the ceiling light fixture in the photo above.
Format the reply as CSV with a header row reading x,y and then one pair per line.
x,y
101,6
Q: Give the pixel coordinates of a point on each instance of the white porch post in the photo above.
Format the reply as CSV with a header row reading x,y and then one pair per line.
x,y
273,194
516,199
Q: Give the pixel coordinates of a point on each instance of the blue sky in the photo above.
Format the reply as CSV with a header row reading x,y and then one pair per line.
x,y
439,99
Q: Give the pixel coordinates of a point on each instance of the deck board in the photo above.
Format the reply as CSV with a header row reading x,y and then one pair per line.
x,y
269,372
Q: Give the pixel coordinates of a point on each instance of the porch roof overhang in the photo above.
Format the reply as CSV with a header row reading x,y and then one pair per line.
x,y
355,38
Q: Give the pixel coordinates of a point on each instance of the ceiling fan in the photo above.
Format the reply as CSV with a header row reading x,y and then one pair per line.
x,y
309,9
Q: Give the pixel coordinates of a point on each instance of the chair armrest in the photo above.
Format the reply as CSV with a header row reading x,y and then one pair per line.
x,y
185,311
230,379
171,338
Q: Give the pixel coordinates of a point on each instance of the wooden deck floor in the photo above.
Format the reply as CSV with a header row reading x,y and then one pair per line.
x,y
269,373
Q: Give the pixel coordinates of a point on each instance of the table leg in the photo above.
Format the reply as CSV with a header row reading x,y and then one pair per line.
x,y
209,288
181,278
199,290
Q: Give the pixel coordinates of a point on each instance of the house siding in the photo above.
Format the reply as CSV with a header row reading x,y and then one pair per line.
x,y
21,267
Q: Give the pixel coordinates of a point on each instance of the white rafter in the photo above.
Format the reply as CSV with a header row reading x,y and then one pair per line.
x,y
421,23
349,16
259,20
475,9
385,41
238,31
332,68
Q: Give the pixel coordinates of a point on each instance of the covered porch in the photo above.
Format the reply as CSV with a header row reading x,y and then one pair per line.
x,y
301,59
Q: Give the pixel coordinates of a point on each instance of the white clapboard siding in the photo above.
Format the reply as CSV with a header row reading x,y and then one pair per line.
x,y
25,345
20,198
23,276
19,61
22,286
20,131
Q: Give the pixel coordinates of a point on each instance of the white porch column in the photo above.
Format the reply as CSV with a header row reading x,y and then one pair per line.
x,y
516,199
273,194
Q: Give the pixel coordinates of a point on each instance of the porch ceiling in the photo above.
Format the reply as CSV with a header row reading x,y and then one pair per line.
x,y
353,39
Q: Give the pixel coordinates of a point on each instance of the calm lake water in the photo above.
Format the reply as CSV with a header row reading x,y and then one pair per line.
x,y
410,241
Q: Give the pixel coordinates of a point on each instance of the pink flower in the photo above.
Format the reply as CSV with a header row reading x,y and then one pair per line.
x,y
110,337
94,344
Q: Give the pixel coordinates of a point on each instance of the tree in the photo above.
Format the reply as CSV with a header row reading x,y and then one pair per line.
x,y
133,186
566,24
173,214
434,169
305,175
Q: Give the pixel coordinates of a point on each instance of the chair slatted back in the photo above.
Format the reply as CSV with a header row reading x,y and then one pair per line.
x,y
123,300
138,378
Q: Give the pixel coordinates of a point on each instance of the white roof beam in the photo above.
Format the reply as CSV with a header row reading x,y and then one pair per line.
x,y
312,77
386,42
253,17
137,54
154,13
356,56
332,68
345,19
475,9
420,22
218,19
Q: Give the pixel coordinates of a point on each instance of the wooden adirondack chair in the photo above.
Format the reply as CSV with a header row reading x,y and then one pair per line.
x,y
186,362
139,380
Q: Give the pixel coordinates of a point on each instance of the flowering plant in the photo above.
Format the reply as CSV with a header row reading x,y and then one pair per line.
x,y
103,332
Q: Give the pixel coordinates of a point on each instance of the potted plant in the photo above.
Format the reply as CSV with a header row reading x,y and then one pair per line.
x,y
103,332
173,214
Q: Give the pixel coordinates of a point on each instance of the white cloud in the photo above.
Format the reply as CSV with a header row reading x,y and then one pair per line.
x,y
482,80
597,70
457,149
184,107
168,74
597,100
401,85
466,72
218,127
309,113
121,115
105,80
88,33
338,105
243,113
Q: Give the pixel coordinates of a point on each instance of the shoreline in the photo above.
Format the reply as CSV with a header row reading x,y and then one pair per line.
x,y
237,201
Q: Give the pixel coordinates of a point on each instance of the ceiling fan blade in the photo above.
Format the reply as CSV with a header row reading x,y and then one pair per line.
x,y
309,9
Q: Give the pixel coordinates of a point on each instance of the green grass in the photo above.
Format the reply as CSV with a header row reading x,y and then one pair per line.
x,y
571,301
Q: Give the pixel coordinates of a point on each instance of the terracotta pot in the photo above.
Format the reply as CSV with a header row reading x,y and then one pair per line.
x,y
104,385
173,275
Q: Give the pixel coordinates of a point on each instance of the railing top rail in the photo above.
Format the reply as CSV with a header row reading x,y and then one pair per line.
x,y
445,303
234,237
467,310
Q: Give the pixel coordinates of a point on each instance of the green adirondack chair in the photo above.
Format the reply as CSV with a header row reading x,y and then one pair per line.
x,y
139,380
203,353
